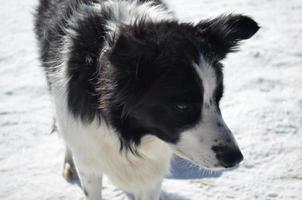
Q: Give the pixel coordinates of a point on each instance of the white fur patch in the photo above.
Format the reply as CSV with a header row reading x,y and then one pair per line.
x,y
208,78
96,148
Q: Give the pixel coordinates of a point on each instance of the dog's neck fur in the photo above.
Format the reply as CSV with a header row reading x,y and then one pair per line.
x,y
129,13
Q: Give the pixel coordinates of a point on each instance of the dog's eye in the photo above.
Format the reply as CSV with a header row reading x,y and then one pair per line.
x,y
183,107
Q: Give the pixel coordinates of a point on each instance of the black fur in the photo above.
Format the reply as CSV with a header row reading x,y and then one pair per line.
x,y
83,66
137,84
222,34
53,19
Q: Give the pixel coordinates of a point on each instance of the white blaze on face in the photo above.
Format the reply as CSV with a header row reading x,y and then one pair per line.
x,y
197,142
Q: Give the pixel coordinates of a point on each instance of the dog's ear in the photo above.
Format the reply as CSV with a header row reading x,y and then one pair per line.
x,y
224,33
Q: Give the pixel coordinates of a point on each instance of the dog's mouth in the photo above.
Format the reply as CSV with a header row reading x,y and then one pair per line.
x,y
181,154
223,162
185,156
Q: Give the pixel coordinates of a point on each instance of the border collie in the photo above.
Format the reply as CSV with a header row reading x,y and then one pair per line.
x,y
131,85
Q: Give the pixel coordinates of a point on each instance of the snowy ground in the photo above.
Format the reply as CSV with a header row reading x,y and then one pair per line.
x,y
262,105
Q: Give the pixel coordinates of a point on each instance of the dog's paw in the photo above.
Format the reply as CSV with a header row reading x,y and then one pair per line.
x,y
69,172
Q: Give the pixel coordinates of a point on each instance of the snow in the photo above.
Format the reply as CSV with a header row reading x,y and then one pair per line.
x,y
262,105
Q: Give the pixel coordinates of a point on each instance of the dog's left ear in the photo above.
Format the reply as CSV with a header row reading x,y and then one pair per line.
x,y
224,33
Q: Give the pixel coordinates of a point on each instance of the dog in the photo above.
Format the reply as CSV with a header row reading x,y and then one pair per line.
x,y
132,85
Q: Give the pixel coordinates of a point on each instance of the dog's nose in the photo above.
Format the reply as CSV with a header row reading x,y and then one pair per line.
x,y
229,157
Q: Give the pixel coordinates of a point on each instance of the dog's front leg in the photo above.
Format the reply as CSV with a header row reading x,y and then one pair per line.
x,y
151,194
91,183
69,169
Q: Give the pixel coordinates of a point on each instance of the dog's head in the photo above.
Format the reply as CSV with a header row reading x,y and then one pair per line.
x,y
168,82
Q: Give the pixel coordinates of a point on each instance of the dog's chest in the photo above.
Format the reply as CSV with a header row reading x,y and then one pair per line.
x,y
96,149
